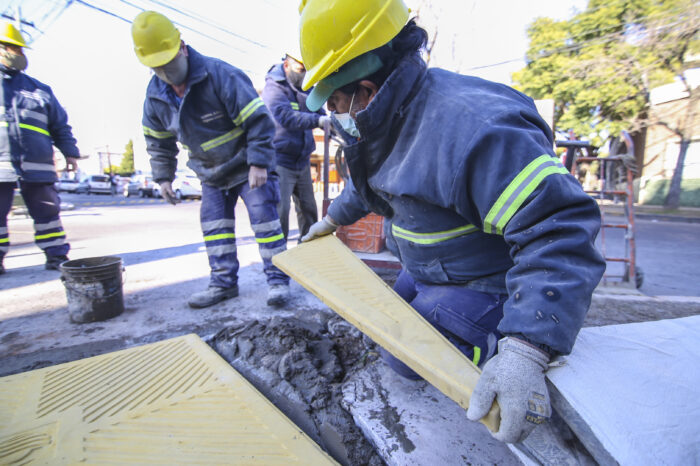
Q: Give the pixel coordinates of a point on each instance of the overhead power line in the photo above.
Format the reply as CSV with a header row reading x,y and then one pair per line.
x,y
183,26
583,44
101,10
206,21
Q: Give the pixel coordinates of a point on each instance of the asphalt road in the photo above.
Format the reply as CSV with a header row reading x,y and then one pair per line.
x,y
667,252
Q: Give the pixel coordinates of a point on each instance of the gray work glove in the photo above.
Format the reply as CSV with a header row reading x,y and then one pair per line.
x,y
257,176
325,227
323,120
515,376
166,190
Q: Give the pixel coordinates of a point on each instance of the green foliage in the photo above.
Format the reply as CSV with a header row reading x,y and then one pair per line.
x,y
600,65
126,168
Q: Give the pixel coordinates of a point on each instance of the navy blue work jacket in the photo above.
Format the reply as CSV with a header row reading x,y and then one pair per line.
x,y
31,123
221,121
464,171
294,140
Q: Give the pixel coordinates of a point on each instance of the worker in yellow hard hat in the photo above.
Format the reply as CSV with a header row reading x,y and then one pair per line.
x,y
294,141
31,123
212,109
495,238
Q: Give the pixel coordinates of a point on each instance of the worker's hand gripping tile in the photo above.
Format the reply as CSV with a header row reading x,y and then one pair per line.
x,y
332,272
170,402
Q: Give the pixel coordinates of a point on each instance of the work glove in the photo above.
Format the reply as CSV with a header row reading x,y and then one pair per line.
x,y
323,120
515,377
325,227
166,190
257,176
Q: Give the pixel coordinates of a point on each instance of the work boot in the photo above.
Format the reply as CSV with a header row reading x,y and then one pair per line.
x,y
277,294
211,296
52,262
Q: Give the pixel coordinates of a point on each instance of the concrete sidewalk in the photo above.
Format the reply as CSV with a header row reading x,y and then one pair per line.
x,y
660,213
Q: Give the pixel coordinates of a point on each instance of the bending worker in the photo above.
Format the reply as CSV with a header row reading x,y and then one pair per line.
x,y
294,140
495,238
31,123
212,108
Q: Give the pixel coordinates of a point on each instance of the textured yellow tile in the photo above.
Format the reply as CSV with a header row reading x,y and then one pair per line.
x,y
170,402
328,269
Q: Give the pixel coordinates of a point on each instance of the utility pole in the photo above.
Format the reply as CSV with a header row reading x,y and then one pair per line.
x,y
109,161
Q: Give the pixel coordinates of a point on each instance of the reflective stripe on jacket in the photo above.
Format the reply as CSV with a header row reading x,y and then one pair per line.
x,y
31,123
464,171
221,121
294,122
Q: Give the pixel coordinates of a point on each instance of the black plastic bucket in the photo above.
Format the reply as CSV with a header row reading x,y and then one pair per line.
x,y
93,288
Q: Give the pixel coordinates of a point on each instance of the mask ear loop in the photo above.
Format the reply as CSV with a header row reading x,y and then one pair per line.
x,y
351,101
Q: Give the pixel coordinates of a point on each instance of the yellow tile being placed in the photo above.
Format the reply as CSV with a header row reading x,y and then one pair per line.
x,y
328,269
172,402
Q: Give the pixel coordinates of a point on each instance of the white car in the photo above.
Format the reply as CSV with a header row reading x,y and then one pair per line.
x,y
69,185
98,184
187,186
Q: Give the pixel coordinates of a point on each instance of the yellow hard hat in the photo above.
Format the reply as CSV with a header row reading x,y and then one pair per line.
x,y
10,35
156,39
333,32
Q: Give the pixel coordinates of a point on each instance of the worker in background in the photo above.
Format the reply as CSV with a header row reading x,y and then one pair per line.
x,y
294,140
31,123
495,238
212,109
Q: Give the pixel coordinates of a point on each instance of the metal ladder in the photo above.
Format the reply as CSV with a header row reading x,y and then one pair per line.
x,y
632,274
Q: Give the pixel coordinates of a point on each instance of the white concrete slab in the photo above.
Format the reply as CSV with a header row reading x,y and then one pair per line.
x,y
634,391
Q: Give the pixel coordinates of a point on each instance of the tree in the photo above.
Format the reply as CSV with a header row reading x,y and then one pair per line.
x,y
126,168
600,66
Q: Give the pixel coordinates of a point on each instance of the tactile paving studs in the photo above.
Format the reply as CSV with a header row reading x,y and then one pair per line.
x,y
170,402
328,269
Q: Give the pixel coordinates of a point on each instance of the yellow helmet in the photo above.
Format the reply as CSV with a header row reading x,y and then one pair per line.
x,y
156,39
10,35
333,32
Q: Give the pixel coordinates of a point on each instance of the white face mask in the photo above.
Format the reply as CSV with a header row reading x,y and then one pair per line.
x,y
347,122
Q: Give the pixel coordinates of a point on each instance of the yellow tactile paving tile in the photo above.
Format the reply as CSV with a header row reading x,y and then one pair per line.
x,y
328,269
172,402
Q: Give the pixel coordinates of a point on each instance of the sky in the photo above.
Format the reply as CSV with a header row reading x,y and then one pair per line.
x,y
87,56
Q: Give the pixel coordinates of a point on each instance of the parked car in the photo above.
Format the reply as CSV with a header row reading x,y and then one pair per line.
x,y
99,184
187,187
139,185
67,185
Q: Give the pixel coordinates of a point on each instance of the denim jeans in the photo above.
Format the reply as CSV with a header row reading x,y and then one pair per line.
x,y
44,206
297,184
466,317
217,216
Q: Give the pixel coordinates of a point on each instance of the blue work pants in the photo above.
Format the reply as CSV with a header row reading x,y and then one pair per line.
x,y
466,317
297,184
217,215
44,206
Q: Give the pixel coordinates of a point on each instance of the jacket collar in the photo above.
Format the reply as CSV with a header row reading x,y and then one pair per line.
x,y
276,73
396,93
376,123
8,72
